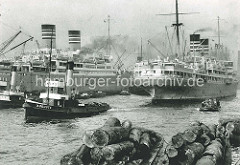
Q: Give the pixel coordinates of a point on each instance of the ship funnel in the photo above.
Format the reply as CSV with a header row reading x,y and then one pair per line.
x,y
13,78
74,39
69,77
48,32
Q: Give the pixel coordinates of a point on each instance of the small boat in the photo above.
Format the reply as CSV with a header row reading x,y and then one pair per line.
x,y
124,92
59,106
84,96
97,94
210,105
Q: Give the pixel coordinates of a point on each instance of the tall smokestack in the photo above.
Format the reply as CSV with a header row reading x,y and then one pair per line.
x,y
13,78
69,77
48,32
74,39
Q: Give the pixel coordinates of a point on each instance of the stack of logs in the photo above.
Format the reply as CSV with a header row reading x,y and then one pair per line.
x,y
119,143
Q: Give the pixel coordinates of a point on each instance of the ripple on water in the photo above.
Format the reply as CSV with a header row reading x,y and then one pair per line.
x,y
47,142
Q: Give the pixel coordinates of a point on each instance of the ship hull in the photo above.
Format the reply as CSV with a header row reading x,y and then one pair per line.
x,y
37,112
11,101
10,104
33,82
184,94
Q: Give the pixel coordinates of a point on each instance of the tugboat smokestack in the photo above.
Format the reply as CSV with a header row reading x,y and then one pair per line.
x,y
13,78
69,77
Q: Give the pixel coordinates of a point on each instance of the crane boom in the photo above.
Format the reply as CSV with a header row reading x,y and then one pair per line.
x,y
17,46
5,44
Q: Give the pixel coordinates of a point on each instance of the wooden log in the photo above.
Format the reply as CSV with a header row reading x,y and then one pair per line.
x,y
220,131
204,140
96,154
87,138
205,128
198,130
161,158
229,127
236,128
83,155
228,156
116,151
212,128
223,122
189,136
171,151
195,123
80,156
207,160
109,135
216,149
153,153
112,122
145,143
235,140
68,160
127,124
157,139
210,132
135,134
178,140
134,162
193,152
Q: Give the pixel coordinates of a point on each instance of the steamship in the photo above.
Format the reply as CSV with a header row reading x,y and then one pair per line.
x,y
195,76
32,70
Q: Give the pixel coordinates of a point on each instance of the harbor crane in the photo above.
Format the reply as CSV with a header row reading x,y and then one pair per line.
x,y
5,44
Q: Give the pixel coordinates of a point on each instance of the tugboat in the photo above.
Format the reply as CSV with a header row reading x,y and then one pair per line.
x,y
210,105
59,101
54,104
12,98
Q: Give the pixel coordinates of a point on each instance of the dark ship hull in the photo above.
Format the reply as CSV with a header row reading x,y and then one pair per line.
x,y
36,112
10,104
184,93
14,101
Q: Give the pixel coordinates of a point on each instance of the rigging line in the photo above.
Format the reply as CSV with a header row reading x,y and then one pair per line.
x,y
169,40
120,57
173,34
15,29
115,50
183,40
150,43
120,62
102,47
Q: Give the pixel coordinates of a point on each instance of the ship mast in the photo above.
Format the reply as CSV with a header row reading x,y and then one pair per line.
x,y
109,37
219,41
218,19
141,50
177,25
49,67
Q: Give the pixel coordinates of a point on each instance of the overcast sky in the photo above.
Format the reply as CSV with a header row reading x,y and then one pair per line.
x,y
130,17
